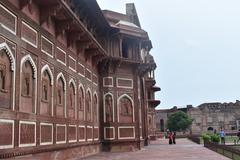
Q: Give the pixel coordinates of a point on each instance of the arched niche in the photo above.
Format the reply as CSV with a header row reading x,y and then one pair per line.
x,y
28,85
125,109
88,105
95,107
46,104
161,125
60,96
108,107
81,103
7,77
72,98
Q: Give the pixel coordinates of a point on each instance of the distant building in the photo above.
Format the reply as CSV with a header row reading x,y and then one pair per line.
x,y
213,116
161,117
206,117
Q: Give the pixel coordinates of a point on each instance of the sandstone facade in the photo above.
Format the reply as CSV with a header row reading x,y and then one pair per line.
x,y
73,79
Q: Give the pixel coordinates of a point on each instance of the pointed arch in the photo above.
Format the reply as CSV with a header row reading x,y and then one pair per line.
x,y
34,67
81,107
28,58
74,85
47,68
60,75
88,104
7,50
82,87
95,102
105,109
72,99
132,103
5,47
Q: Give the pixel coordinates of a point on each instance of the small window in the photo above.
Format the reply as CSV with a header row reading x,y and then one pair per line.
x,y
125,49
210,129
2,80
45,92
59,96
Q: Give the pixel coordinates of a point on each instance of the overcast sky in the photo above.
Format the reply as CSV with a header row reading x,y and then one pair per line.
x,y
196,48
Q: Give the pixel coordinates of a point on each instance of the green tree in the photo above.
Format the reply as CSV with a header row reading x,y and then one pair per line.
x,y
179,121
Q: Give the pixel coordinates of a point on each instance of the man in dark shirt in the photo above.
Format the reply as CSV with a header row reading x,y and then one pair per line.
x,y
238,135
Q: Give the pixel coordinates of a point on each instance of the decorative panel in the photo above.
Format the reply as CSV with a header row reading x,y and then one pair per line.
x,y
88,74
108,104
60,133
95,79
6,134
126,132
47,46
61,56
8,20
96,133
124,83
81,133
72,133
81,69
125,109
27,134
29,34
108,82
72,63
109,133
89,133
46,133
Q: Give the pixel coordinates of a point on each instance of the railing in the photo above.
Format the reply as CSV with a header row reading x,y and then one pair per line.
x,y
195,138
226,150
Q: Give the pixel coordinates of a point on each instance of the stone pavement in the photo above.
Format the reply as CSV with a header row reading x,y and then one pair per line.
x,y
160,150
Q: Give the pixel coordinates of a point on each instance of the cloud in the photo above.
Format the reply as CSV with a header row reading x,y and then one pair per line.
x,y
192,43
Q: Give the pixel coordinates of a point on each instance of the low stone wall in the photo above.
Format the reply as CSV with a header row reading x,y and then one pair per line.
x,y
58,153
195,139
122,146
226,150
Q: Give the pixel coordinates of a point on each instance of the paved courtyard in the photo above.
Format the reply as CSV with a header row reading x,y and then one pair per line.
x,y
160,150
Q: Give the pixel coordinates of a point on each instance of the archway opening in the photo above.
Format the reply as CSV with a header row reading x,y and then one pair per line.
x,y
161,125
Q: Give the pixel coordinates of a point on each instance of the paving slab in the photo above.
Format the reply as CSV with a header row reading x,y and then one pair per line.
x,y
161,150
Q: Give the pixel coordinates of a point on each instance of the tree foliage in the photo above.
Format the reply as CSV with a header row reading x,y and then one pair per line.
x,y
179,121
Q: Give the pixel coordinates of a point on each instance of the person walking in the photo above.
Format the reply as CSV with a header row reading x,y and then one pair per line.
x,y
238,135
170,137
222,136
174,137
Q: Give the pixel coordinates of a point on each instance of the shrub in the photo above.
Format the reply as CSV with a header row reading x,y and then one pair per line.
x,y
206,137
210,137
215,138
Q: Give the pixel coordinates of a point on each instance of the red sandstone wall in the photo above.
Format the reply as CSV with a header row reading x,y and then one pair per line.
x,y
40,68
57,96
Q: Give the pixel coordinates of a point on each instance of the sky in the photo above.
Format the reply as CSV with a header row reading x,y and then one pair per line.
x,y
196,45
